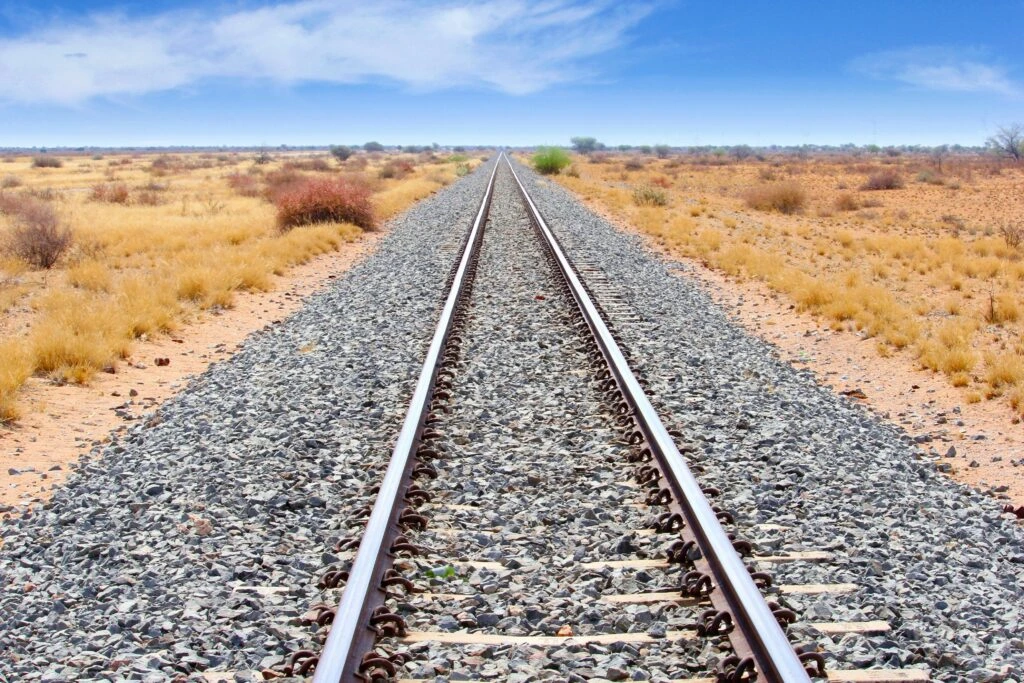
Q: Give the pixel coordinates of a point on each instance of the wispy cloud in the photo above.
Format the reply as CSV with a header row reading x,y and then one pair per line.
x,y
516,47
939,68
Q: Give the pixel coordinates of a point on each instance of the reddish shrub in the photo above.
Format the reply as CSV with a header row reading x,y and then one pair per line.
x,y
114,193
278,183
244,184
883,180
325,200
661,181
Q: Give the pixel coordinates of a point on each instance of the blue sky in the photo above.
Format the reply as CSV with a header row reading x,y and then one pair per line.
x,y
97,72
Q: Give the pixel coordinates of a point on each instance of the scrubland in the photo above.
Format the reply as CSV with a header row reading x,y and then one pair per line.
x,y
921,254
155,239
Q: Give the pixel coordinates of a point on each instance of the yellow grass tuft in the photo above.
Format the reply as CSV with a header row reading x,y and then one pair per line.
x,y
90,275
785,197
14,370
1004,370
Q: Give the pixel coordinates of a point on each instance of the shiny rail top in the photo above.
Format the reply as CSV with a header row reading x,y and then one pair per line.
x,y
350,631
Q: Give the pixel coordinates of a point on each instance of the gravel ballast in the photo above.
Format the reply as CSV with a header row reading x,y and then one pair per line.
x,y
534,477
194,542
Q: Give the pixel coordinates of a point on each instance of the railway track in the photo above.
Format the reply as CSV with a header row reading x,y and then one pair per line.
x,y
631,570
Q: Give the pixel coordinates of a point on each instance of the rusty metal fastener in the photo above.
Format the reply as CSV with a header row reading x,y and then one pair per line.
x,y
732,669
714,623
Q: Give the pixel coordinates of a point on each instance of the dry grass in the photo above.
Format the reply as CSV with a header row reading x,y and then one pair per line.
x,y
928,271
15,369
159,239
786,197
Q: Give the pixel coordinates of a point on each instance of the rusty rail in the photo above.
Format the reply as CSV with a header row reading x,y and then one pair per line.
x,y
348,650
741,610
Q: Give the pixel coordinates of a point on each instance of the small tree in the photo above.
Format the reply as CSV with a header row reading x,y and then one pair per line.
x,y
584,145
1008,142
262,156
662,151
341,152
938,154
373,147
741,152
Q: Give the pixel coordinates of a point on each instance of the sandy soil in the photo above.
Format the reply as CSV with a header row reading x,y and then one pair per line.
x,y
61,423
980,444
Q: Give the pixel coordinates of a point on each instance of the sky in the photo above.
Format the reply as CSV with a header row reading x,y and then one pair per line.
x,y
508,72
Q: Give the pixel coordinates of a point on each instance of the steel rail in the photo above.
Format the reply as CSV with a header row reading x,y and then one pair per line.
x,y
351,636
775,657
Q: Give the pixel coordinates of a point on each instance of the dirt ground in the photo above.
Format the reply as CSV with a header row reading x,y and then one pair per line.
x,y
61,423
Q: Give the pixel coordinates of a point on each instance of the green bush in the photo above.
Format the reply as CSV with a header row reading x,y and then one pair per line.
x,y
648,195
550,160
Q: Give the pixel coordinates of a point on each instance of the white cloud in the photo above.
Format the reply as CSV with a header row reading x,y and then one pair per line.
x,y
938,68
515,47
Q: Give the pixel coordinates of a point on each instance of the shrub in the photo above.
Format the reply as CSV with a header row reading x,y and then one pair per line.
x,y
399,168
341,152
38,238
10,181
633,164
47,162
281,182
787,197
373,147
661,181
647,195
847,201
888,179
572,171
1013,235
148,198
930,177
662,151
315,164
243,184
112,193
462,170
550,160
326,200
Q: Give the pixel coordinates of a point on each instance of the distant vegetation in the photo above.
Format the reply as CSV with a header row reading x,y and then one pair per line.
x,y
932,270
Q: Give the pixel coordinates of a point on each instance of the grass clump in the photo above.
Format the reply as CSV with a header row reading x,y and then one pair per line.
x,y
112,193
47,162
550,160
15,369
888,179
648,195
327,200
847,201
785,197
